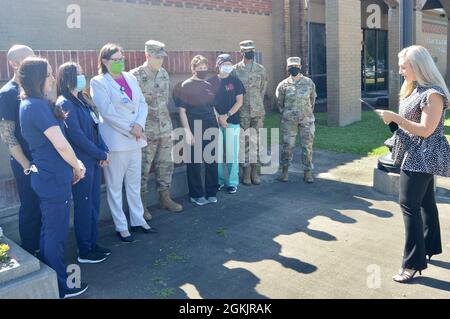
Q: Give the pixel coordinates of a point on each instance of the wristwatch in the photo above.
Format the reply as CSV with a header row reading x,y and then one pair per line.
x,y
229,114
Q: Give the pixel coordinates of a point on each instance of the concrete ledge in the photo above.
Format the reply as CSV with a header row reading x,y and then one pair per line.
x,y
386,183
24,277
21,264
41,284
389,183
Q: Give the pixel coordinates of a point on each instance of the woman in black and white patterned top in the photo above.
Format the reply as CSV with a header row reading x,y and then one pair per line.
x,y
422,151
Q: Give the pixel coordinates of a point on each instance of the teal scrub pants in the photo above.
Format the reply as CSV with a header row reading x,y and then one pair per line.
x,y
229,144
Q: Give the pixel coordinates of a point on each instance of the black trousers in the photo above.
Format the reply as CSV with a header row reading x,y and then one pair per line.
x,y
194,167
420,215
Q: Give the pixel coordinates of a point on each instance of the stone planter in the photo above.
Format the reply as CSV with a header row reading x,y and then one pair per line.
x,y
24,277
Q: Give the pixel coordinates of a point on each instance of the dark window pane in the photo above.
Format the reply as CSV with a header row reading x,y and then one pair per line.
x,y
374,68
318,58
381,60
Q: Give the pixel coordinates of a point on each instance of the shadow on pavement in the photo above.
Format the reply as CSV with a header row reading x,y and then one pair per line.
x,y
192,248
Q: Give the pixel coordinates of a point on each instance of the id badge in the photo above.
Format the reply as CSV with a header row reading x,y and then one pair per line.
x,y
94,118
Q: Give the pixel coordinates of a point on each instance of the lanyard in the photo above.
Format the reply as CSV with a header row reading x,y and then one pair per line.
x,y
91,111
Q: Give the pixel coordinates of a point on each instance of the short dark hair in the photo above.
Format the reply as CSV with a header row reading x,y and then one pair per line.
x,y
106,53
66,82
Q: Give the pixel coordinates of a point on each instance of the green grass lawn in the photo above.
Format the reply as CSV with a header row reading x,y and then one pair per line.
x,y
362,138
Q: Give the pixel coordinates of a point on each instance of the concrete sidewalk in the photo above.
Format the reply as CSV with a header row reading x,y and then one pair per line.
x,y
337,238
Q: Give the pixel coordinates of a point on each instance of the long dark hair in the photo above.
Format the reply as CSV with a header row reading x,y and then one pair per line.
x,y
32,75
66,82
106,53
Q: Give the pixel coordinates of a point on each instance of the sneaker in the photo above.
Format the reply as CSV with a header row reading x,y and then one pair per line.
x,y
73,292
232,189
212,200
201,201
220,187
101,250
93,257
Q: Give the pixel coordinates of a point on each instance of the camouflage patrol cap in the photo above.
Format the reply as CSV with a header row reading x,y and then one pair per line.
x,y
247,45
294,61
155,48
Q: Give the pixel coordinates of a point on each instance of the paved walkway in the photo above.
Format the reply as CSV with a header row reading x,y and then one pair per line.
x,y
337,238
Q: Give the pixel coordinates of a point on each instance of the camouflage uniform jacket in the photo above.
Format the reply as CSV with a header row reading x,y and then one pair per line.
x,y
155,86
254,78
296,99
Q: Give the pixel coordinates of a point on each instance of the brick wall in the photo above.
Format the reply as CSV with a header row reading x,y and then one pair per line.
x,y
177,62
343,61
131,24
260,7
434,28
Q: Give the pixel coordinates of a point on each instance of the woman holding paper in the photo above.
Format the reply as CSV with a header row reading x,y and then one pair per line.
x,y
422,151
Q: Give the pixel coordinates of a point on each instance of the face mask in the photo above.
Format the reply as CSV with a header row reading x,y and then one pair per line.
x,y
117,67
250,55
81,82
226,69
155,63
294,71
202,74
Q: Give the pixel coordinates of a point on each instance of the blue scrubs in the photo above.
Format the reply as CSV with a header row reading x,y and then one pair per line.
x,y
29,212
82,133
52,183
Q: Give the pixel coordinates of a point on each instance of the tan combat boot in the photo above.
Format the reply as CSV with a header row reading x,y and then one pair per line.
x,y
165,202
255,174
247,176
308,177
284,177
147,214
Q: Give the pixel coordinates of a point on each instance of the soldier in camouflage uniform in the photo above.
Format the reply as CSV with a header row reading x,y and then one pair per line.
x,y
254,78
296,97
154,82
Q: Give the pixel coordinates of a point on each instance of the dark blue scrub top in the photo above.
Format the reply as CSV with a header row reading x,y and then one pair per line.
x,y
82,131
54,177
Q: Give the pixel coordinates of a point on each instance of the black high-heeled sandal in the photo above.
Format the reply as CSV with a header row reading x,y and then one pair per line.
x,y
405,277
429,258
128,239
151,230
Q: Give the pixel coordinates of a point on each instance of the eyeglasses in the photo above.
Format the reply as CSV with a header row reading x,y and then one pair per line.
x,y
122,59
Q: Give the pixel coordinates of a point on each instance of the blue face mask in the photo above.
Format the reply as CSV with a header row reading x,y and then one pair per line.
x,y
227,69
81,82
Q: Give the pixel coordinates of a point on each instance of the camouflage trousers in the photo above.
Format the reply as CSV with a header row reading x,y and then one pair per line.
x,y
249,143
158,152
290,130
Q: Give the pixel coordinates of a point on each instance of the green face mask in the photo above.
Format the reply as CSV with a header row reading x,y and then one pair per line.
x,y
117,67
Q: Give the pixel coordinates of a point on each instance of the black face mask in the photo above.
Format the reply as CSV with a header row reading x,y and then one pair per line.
x,y
202,74
250,55
294,71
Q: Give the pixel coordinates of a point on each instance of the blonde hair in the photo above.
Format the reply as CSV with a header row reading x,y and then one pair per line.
x,y
424,68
